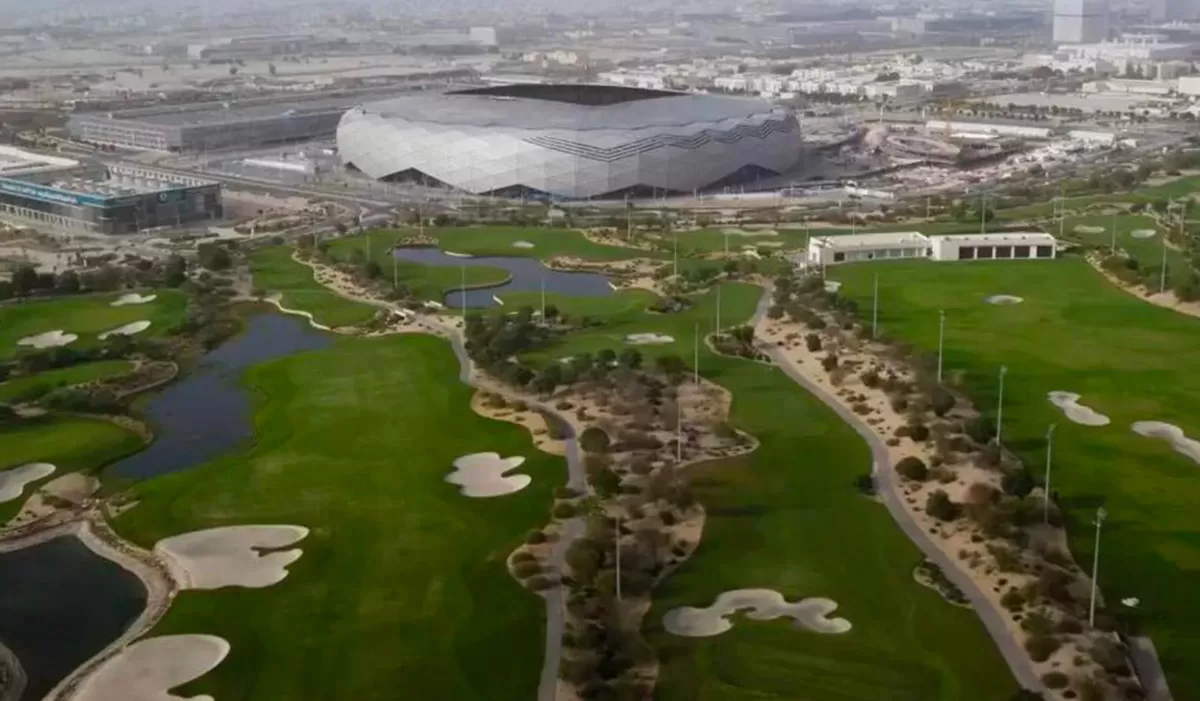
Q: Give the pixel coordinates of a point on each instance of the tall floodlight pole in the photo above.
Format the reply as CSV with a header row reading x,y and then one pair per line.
x,y
941,343
717,331
927,209
875,309
1162,273
1000,405
1113,226
543,295
696,355
618,548
1101,514
678,430
395,271
675,252
463,292
1062,213
1046,487
983,213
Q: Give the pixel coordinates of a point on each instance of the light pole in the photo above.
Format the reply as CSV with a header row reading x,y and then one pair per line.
x,y
983,213
463,293
1000,405
875,308
1101,514
696,355
543,295
1162,274
1046,487
1113,225
618,548
941,343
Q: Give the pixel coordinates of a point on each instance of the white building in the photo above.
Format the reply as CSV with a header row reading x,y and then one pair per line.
x,y
1189,85
966,128
1080,21
483,35
835,250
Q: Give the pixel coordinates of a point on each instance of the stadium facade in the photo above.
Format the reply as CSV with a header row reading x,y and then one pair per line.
x,y
570,141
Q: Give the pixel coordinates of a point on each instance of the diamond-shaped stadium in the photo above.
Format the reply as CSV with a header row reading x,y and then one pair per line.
x,y
570,141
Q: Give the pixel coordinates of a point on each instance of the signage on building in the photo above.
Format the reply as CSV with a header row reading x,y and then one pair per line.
x,y
49,194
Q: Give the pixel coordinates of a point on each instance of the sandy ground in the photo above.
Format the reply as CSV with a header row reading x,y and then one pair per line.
x,y
1076,412
759,605
71,490
609,237
126,330
149,669
49,339
955,539
13,481
483,475
527,417
1173,435
642,339
1166,299
132,298
1004,299
230,556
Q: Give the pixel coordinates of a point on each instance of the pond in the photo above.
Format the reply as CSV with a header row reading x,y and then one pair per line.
x,y
527,276
209,412
61,604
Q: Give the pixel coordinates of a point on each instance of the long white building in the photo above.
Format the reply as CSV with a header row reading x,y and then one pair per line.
x,y
835,250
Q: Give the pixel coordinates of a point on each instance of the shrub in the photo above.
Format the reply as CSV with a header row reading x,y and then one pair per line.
x,y
913,468
870,378
1090,689
524,556
918,432
941,401
563,511
1013,600
525,570
1070,626
981,430
1055,680
1041,647
535,537
830,362
813,342
594,440
899,404
939,506
539,583
565,493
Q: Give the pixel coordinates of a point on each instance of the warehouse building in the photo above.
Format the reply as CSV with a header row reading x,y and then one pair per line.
x,y
835,250
114,200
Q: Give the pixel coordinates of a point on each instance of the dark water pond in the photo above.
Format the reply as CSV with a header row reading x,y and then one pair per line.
x,y
208,413
527,276
60,603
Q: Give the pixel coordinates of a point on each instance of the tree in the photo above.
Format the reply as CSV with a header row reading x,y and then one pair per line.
x,y
551,312
594,440
913,468
606,483
24,280
214,256
606,358
550,377
272,69
671,365
175,272
939,506
372,270
233,70
68,282
941,401
630,358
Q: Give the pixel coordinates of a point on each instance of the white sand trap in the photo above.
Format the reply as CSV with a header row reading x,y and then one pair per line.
x,y
1004,299
747,232
133,298
1171,434
50,339
762,605
229,557
522,244
1084,229
126,330
482,475
1143,233
452,254
148,669
1073,410
312,321
648,339
12,482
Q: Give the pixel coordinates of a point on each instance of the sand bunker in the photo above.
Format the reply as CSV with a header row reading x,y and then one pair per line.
x,y
149,669
50,339
1084,229
648,339
452,254
12,482
746,232
482,475
126,330
229,557
1073,410
1171,434
1143,233
761,605
522,244
133,298
1004,299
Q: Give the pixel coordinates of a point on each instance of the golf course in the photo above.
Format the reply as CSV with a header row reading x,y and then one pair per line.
x,y
403,583
86,316
1128,360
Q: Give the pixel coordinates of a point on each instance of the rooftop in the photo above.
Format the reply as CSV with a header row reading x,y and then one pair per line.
x,y
869,240
1007,236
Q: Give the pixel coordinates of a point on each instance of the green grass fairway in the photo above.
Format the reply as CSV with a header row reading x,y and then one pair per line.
x,y
69,443
788,517
30,387
402,591
1131,361
1148,252
85,316
625,313
275,271
499,240
425,281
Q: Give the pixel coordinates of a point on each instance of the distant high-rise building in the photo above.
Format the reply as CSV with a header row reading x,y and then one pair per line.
x,y
1174,10
1080,21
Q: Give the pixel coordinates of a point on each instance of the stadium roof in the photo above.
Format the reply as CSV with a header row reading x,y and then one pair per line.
x,y
573,107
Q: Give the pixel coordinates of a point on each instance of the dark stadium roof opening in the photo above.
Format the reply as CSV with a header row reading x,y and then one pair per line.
x,y
571,141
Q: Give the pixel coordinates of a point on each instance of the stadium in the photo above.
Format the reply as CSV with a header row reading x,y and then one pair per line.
x,y
570,141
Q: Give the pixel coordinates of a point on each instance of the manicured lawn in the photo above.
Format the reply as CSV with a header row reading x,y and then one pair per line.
x,y
402,591
1129,360
499,240
85,316
1148,251
425,281
69,443
276,272
788,517
32,386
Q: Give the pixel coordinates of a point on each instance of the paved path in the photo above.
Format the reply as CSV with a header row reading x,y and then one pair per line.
x,y
1149,669
888,490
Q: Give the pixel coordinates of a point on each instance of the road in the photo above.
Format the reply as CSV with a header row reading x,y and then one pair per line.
x,y
888,491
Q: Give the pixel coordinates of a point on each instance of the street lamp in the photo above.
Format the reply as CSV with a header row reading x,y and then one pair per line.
x,y
1101,514
1000,405
941,342
875,309
1046,496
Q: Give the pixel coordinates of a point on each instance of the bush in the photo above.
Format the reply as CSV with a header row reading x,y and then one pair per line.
x,y
1041,647
981,430
539,583
563,511
1055,680
918,432
870,378
939,506
829,362
941,401
594,440
913,468
1070,626
565,493
899,404
535,537
1013,600
813,342
525,570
